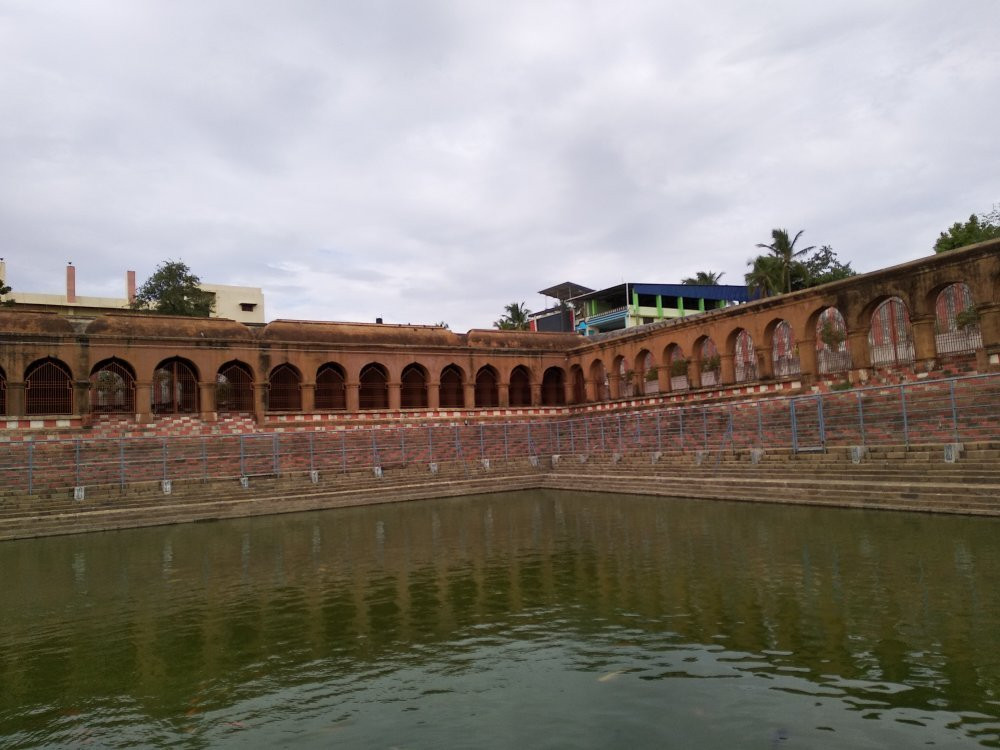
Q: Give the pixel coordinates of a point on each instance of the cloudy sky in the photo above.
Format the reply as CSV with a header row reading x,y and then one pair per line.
x,y
431,161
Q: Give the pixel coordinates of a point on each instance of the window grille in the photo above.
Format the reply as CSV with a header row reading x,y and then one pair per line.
x,y
956,325
744,358
234,388
487,391
112,388
175,388
331,391
520,387
784,352
553,387
832,353
622,382
413,388
452,393
284,392
890,338
48,388
373,390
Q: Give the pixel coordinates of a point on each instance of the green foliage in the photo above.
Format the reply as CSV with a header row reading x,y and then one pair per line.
x,y
831,335
174,290
679,367
712,364
704,278
651,374
977,229
781,271
967,318
515,318
4,289
843,385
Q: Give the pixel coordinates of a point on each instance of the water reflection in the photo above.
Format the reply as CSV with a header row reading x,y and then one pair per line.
x,y
589,617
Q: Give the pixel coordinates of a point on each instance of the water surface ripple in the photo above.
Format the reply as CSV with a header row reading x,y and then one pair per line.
x,y
542,620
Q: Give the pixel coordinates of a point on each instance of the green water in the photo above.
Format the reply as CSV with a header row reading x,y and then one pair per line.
x,y
529,620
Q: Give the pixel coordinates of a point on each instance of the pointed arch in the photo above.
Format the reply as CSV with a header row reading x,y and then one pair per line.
x,y
622,381
784,351
744,357
413,387
451,391
373,387
234,388
520,386
956,323
284,388
832,352
175,387
553,387
579,385
487,387
112,387
48,387
709,362
331,387
599,377
890,337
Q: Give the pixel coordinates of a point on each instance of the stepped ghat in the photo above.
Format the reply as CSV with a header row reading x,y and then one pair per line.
x,y
875,391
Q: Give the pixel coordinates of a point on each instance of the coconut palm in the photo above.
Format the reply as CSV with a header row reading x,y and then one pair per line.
x,y
515,318
766,276
705,278
784,251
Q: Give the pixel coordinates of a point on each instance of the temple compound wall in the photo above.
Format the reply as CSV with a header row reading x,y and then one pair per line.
x,y
58,372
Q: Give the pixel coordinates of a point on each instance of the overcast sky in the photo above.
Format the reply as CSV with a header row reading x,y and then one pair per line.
x,y
432,161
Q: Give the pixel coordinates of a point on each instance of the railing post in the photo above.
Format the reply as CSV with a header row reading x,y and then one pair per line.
x,y
312,453
621,440
906,421
31,467
402,444
121,463
822,422
586,433
276,451
243,456
482,442
572,438
659,440
343,450
374,450
954,410
861,419
506,443
760,425
76,463
794,425
430,443
204,460
704,427
163,459
681,434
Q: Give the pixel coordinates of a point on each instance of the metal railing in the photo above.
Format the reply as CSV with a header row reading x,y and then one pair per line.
x,y
954,410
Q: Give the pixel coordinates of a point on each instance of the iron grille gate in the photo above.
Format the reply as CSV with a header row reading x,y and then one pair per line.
x,y
808,426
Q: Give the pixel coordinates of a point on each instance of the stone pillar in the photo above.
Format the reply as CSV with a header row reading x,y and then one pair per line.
x,y
765,363
469,391
536,394
143,402
924,346
15,399
206,401
259,402
503,394
987,358
808,363
857,343
395,400
433,395
727,371
352,402
81,397
590,390
694,373
569,390
308,391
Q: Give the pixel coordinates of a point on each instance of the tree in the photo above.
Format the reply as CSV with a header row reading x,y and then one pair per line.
x,y
515,318
823,267
784,250
977,229
174,290
4,289
705,278
765,276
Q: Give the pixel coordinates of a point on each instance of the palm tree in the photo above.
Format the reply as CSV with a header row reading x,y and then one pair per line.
x,y
766,275
785,252
704,278
515,318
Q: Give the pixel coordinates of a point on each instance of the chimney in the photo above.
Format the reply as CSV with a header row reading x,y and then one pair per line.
x,y
130,286
70,283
